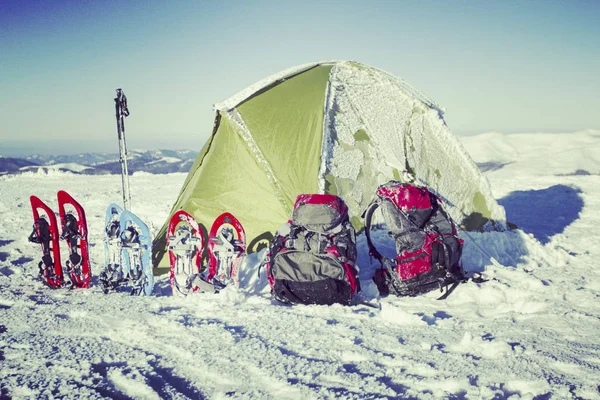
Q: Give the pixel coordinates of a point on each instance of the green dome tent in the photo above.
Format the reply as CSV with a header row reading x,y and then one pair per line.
x,y
329,127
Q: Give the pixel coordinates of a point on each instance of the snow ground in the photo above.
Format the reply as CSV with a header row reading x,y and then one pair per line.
x,y
529,332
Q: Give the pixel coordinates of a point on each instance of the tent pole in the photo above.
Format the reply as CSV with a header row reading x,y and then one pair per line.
x,y
122,111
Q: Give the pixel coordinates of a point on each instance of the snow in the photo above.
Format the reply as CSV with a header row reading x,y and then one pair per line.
x,y
530,332
165,160
66,166
558,153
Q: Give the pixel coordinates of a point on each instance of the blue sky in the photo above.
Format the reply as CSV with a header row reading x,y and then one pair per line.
x,y
508,66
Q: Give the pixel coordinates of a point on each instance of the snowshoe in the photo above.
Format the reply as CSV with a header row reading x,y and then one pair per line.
x,y
127,253
45,232
226,247
185,243
109,277
136,245
74,232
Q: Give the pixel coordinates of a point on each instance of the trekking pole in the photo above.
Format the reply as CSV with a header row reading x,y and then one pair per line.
x,y
121,112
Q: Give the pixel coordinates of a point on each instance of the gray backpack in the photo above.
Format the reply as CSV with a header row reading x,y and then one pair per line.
x,y
312,258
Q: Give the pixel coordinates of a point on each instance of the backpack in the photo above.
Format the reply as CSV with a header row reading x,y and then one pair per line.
x,y
428,248
312,258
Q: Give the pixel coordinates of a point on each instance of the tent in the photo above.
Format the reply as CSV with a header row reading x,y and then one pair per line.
x,y
328,127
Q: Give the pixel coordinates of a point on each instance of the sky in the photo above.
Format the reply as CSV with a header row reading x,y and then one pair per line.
x,y
510,66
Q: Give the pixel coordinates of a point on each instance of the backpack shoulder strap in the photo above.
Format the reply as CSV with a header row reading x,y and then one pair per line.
x,y
368,218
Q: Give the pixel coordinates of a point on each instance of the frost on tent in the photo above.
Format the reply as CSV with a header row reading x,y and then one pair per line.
x,y
376,126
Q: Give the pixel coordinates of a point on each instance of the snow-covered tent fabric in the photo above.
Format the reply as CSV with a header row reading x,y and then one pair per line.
x,y
329,127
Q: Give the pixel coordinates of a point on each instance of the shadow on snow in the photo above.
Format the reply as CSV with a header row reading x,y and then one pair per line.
x,y
543,213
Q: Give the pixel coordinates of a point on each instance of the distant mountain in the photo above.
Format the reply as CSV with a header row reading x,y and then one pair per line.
x,y
13,165
90,159
153,161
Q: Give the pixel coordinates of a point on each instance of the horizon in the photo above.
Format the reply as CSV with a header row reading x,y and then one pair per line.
x,y
18,149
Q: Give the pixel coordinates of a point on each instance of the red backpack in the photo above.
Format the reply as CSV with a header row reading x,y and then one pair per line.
x,y
312,257
428,248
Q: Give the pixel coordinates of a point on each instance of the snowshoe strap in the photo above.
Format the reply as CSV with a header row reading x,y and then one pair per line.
x,y
48,262
75,259
130,235
112,229
41,232
34,237
70,228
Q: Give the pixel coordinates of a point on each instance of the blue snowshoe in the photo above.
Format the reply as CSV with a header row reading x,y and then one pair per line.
x,y
127,247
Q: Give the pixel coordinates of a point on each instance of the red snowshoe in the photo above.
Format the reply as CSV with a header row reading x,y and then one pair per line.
x,y
45,232
226,246
74,232
185,243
